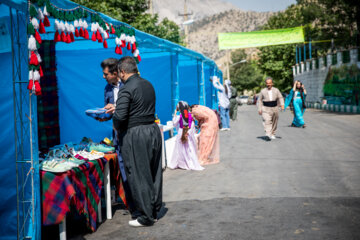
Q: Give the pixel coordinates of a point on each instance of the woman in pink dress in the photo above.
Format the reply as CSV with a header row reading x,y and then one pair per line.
x,y
185,151
208,141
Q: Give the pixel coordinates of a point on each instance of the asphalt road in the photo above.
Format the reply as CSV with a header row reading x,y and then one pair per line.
x,y
303,185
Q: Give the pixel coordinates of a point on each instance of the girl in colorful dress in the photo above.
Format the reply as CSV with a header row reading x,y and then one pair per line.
x,y
297,96
185,151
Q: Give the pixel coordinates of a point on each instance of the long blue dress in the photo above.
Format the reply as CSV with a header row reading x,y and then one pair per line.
x,y
298,107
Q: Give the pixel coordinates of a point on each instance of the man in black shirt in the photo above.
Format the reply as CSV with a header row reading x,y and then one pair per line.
x,y
140,141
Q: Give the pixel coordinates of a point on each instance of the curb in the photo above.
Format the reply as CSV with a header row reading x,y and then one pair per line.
x,y
335,107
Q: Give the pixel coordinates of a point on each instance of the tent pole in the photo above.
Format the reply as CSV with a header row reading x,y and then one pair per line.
x,y
15,117
202,85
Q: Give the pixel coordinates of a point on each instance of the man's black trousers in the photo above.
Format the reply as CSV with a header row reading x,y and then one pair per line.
x,y
141,151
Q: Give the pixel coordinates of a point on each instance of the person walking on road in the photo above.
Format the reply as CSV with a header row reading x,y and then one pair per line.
x,y
268,107
233,102
297,96
140,141
224,93
208,141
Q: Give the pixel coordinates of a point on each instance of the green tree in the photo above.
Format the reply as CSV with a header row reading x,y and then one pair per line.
x,y
245,76
133,12
322,20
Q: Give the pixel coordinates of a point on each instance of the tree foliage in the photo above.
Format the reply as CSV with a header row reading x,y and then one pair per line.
x,y
244,76
322,20
133,12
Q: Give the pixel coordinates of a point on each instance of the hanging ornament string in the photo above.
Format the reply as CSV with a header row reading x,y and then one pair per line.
x,y
70,25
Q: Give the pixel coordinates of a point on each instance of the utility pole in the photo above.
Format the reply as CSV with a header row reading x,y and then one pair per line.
x,y
186,29
227,63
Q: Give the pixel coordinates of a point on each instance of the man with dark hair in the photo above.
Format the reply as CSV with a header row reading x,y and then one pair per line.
x,y
140,141
268,106
111,75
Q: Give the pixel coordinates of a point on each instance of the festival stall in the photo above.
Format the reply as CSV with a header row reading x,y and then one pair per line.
x,y
50,54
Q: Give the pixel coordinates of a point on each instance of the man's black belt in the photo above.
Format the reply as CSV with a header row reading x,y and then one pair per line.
x,y
270,104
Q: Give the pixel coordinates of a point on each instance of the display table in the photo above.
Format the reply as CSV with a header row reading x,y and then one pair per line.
x,y
80,187
163,129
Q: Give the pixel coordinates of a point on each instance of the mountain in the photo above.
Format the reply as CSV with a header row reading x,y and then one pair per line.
x,y
203,33
199,8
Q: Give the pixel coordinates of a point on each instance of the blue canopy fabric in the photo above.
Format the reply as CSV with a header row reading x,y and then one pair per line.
x,y
177,73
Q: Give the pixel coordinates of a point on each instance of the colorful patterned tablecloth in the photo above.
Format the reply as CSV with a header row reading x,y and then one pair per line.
x,y
80,187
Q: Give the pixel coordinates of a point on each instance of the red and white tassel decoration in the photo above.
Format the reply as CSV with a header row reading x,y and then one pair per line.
x,y
127,40
122,38
46,19
76,25
41,24
57,34
32,43
133,44
137,54
86,33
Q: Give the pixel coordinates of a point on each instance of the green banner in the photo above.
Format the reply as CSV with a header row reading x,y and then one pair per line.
x,y
260,38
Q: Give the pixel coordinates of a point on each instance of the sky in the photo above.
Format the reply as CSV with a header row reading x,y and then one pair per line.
x,y
262,5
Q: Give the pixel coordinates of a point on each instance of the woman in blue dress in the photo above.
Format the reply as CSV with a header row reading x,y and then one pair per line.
x,y
297,97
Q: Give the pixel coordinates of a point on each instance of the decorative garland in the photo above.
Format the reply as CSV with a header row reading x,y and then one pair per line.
x,y
71,23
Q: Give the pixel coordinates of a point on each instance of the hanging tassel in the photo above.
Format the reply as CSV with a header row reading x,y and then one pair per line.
x,y
32,43
120,50
41,71
98,35
128,46
35,23
112,30
139,58
57,37
37,37
41,27
36,83
86,34
37,88
81,32
76,32
63,37
67,38
33,59
46,21
31,82
93,37
38,56
105,44
72,37
133,47
117,50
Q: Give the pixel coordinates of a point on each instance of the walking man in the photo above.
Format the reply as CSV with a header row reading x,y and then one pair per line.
x,y
140,141
233,102
268,106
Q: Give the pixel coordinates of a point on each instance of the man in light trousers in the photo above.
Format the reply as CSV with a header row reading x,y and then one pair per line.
x,y
269,101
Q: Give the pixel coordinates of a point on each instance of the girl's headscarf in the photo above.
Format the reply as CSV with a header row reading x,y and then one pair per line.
x,y
185,115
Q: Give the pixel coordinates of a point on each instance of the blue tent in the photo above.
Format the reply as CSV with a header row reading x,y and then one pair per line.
x,y
177,74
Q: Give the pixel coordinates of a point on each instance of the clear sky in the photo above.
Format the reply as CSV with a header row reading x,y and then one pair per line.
x,y
262,5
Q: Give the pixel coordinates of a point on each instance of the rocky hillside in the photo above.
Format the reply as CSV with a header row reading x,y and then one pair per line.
x,y
199,8
203,33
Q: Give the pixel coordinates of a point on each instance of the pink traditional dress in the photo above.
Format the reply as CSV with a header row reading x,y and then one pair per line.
x,y
208,142
185,154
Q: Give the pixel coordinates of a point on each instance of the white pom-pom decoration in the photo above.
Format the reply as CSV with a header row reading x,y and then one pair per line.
x,y
35,23
32,43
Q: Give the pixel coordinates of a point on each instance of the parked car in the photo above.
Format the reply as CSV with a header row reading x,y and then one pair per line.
x,y
242,99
